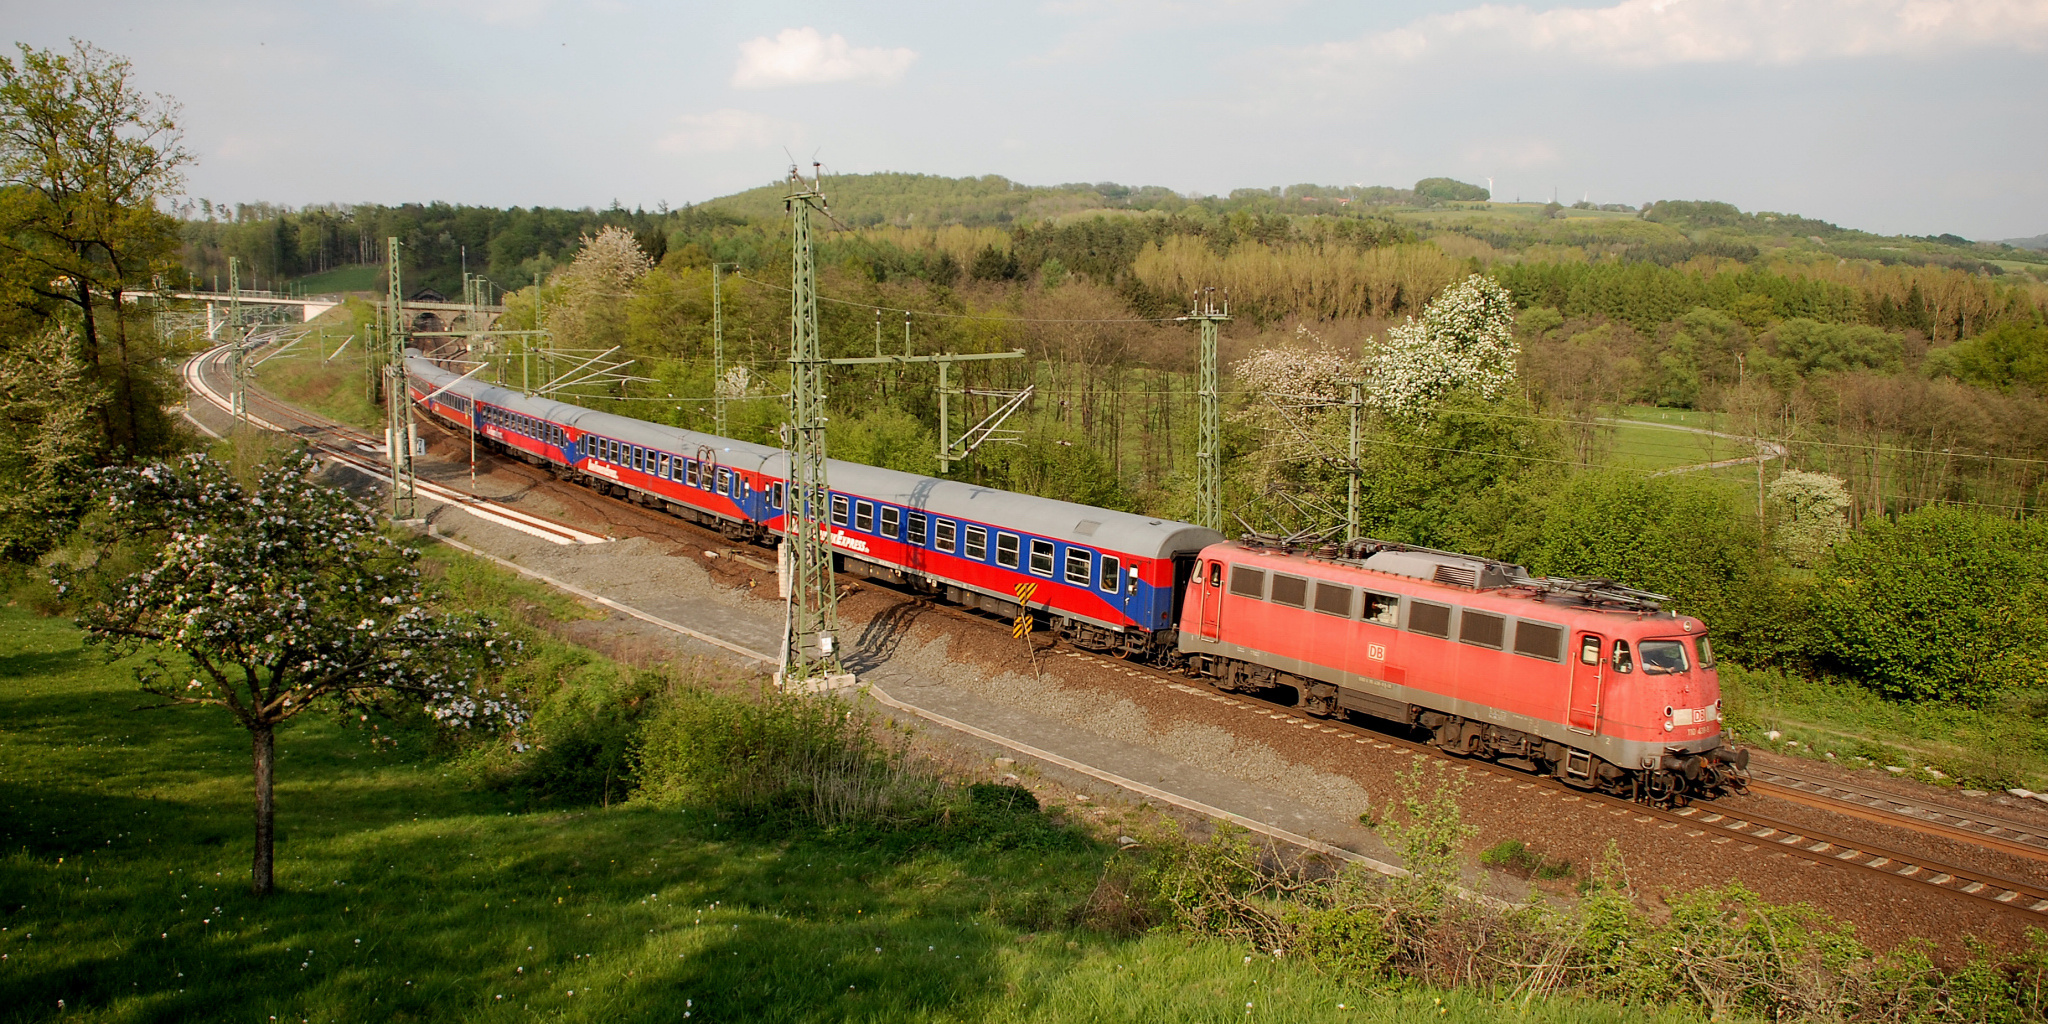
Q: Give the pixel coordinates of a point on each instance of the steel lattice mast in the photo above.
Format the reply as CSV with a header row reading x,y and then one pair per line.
x,y
809,647
398,429
718,388
238,369
1209,446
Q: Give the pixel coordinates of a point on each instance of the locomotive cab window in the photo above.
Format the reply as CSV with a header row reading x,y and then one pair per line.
x,y
1041,557
977,543
1246,581
839,510
864,516
1624,662
1589,650
1291,591
892,521
1333,598
943,537
1539,640
1429,619
1215,574
1381,609
1664,657
1077,566
1706,653
1112,573
1007,548
1481,629
916,524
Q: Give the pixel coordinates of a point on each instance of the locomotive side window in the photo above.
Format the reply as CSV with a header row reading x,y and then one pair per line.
x,y
1624,662
1112,573
1429,619
977,543
1538,640
1077,565
1589,650
1664,657
1706,653
1481,629
863,515
1383,609
917,528
1333,598
943,536
1246,581
892,521
1291,591
1007,549
839,510
1215,574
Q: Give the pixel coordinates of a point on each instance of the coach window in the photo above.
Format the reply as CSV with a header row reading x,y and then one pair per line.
x,y
977,543
943,536
1112,574
1429,619
1482,630
1539,640
839,509
1333,598
661,469
1246,581
1291,591
690,472
1077,566
1624,662
863,516
725,481
892,522
639,459
917,529
617,452
1381,609
1041,557
775,495
1007,548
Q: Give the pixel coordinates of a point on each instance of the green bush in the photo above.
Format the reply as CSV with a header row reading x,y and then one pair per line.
x,y
770,753
1941,604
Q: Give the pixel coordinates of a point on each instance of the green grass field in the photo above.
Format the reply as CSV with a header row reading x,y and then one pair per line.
x,y
405,893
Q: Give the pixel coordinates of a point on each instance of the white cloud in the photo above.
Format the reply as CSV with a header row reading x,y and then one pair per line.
x,y
722,131
801,56
1650,33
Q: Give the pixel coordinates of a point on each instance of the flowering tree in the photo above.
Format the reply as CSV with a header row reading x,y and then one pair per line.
x,y
1814,515
270,600
595,287
1464,339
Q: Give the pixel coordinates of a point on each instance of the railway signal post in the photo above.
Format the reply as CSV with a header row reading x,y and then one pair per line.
x,y
810,656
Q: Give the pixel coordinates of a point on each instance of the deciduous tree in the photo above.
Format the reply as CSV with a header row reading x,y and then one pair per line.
x,y
269,600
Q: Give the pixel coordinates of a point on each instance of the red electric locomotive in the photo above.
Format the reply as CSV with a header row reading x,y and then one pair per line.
x,y
1585,679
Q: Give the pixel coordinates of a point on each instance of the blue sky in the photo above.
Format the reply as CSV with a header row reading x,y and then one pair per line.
x,y
1918,116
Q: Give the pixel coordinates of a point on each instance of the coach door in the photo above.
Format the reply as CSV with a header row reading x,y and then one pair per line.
x,y
1582,710
1211,589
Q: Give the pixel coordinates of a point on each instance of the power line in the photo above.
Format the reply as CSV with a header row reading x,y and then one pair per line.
x,y
971,316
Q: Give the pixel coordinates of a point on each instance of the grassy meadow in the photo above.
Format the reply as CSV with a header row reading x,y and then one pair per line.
x,y
407,891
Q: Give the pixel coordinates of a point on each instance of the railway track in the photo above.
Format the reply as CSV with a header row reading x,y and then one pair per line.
x,y
1716,823
2020,839
205,376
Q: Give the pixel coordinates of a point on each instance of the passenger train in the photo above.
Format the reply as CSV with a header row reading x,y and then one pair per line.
x,y
1583,679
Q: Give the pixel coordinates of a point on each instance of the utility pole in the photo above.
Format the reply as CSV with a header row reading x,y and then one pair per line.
x,y
1209,446
398,429
717,351
809,645
237,368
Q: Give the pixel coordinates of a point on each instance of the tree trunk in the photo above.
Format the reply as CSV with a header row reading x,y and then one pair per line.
x,y
265,744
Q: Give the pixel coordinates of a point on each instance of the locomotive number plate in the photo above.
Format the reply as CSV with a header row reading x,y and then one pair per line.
x,y
1377,652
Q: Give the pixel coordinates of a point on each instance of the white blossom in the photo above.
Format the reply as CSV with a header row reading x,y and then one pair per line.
x,y
1465,338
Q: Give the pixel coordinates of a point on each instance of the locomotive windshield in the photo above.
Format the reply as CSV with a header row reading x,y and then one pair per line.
x,y
1664,657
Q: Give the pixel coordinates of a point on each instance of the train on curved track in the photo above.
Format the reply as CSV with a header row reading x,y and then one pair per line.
x,y
1586,680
